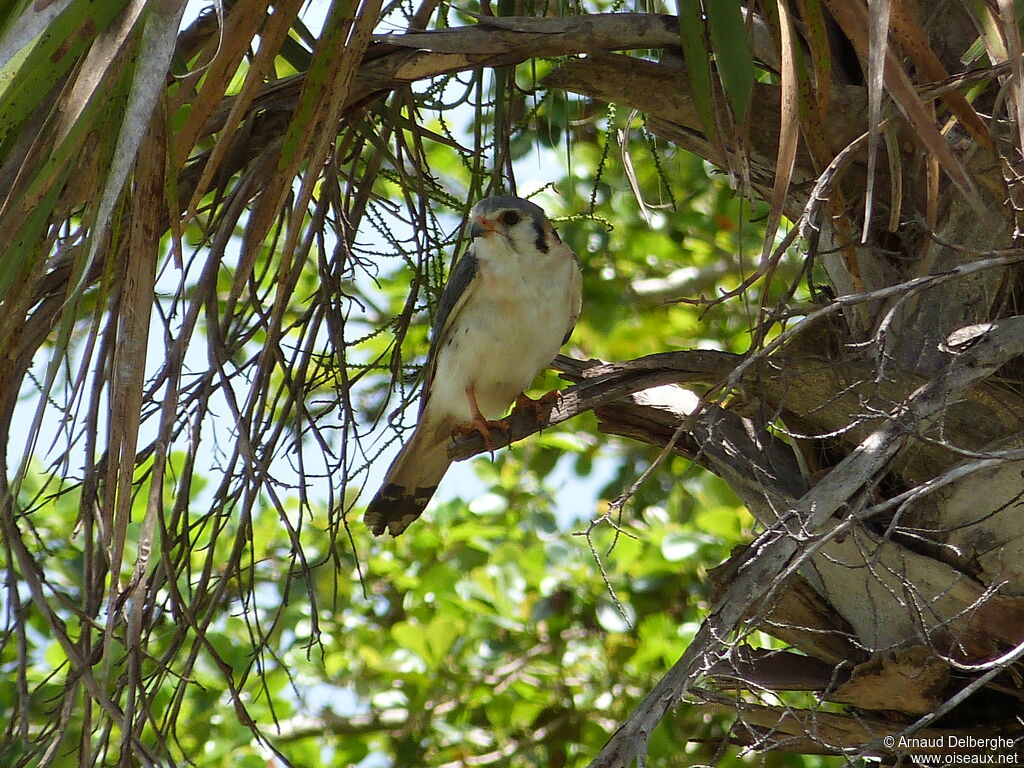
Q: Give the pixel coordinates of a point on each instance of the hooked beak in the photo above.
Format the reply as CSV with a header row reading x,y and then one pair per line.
x,y
480,227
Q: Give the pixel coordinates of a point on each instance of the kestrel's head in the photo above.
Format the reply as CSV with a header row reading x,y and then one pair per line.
x,y
520,221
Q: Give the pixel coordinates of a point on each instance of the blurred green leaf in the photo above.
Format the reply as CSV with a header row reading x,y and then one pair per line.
x,y
679,546
695,47
734,61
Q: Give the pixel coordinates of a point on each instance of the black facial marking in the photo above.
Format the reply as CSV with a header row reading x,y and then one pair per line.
x,y
541,242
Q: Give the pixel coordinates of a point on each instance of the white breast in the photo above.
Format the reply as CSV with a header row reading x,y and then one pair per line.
x,y
521,310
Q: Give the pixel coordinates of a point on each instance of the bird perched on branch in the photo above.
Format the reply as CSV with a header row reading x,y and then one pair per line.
x,y
511,301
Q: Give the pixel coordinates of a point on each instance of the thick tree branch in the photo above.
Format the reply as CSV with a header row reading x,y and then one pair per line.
x,y
671,113
397,60
976,353
603,383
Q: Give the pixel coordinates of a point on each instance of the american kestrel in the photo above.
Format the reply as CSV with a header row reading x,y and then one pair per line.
x,y
511,302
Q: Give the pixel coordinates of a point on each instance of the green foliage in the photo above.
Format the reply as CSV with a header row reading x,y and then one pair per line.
x,y
732,54
496,628
485,628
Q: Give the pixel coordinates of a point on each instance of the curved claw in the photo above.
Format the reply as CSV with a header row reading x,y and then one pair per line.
x,y
539,407
483,427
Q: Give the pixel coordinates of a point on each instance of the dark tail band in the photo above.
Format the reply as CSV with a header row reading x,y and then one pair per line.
x,y
395,507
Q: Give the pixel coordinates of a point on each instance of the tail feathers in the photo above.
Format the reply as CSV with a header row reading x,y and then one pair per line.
x,y
395,507
408,486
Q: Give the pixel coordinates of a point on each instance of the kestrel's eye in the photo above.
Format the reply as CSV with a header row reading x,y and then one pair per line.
x,y
509,218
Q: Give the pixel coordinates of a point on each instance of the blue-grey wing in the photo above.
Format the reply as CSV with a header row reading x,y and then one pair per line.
x,y
453,298
575,292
